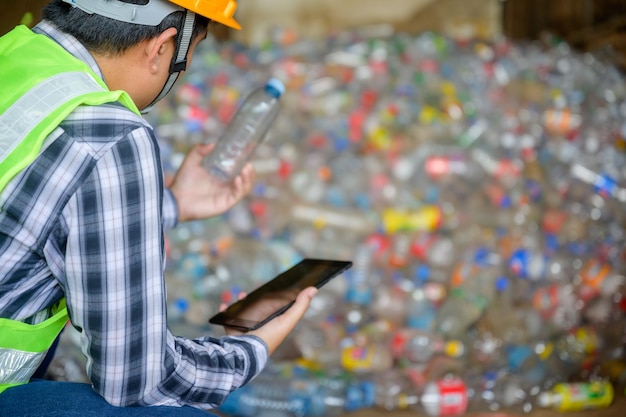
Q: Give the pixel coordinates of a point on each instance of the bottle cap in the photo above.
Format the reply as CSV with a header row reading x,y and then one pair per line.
x,y
275,86
454,348
502,284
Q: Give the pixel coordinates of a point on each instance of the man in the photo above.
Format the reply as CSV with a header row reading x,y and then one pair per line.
x,y
83,210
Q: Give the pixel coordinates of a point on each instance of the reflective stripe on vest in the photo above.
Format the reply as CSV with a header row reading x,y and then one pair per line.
x,y
31,109
40,85
24,346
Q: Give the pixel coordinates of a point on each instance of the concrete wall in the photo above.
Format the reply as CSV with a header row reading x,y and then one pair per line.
x,y
316,18
457,18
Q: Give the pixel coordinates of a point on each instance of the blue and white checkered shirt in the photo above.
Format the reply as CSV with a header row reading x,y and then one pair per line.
x,y
86,221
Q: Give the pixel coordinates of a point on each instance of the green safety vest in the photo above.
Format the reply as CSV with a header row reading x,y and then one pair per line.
x,y
40,85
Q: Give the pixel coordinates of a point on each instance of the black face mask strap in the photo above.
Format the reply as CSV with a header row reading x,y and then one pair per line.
x,y
179,62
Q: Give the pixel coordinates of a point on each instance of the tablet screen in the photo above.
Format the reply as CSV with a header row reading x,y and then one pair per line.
x,y
278,294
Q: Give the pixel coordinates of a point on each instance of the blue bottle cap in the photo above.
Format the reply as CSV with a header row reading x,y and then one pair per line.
x,y
181,304
422,273
481,255
275,87
502,283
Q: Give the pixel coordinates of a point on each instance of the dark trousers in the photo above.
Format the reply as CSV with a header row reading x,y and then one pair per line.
x,y
42,398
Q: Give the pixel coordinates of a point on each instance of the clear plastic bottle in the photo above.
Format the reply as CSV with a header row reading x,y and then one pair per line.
x,y
466,303
420,310
485,350
395,391
245,131
502,318
271,394
418,346
320,216
436,249
499,390
603,184
538,266
390,300
513,393
556,369
558,304
363,277
319,341
524,362
578,346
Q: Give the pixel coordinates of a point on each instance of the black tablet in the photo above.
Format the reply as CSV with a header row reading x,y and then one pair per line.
x,y
277,295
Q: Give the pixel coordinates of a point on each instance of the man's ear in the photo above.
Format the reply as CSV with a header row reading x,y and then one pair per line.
x,y
160,49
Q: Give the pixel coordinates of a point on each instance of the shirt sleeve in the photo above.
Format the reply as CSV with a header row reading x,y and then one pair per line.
x,y
170,210
117,297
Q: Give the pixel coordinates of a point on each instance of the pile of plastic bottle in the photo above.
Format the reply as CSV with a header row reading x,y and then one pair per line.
x,y
477,186
479,189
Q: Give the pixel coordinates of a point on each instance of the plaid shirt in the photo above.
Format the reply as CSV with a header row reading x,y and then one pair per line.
x,y
85,221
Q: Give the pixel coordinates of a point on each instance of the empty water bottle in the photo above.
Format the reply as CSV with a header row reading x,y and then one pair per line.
x,y
394,390
245,131
273,394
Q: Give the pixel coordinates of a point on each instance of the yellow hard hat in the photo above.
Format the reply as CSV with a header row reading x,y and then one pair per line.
x,y
219,10
155,11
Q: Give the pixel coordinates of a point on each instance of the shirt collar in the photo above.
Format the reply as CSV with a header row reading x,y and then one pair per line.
x,y
69,43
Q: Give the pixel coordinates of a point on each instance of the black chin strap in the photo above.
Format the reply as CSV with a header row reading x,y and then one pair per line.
x,y
179,61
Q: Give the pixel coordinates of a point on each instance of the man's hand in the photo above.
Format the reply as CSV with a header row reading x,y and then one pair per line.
x,y
199,195
275,331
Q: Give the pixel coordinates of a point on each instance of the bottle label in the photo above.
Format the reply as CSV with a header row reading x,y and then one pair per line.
x,y
399,342
594,273
561,122
422,244
357,358
428,218
453,394
546,299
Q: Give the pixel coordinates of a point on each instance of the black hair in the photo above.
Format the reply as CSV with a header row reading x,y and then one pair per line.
x,y
102,35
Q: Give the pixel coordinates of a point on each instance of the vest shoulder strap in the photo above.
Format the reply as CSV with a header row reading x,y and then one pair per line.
x,y
42,84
